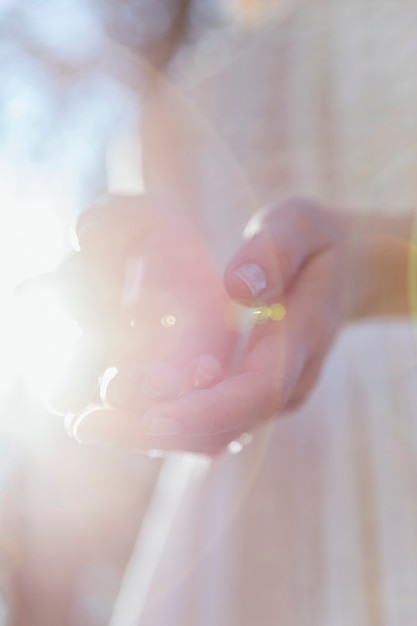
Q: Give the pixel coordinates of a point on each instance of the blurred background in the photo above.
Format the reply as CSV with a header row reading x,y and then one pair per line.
x,y
327,89
71,78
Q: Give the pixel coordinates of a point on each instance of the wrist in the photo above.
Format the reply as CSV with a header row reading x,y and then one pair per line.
x,y
377,266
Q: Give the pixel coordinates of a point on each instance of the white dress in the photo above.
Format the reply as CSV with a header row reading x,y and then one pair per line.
x,y
315,522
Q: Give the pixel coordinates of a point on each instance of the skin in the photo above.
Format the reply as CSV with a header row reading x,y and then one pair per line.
x,y
151,304
325,269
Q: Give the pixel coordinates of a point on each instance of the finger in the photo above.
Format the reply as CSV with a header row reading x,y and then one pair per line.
x,y
232,405
282,239
269,375
204,371
203,419
135,386
126,430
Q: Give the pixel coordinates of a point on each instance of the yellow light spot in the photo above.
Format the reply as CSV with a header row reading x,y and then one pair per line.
x,y
262,313
168,320
277,312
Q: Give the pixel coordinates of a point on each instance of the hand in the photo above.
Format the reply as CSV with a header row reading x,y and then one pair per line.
x,y
292,268
150,303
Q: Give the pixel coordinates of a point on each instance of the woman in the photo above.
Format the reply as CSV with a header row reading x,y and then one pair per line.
x,y
302,527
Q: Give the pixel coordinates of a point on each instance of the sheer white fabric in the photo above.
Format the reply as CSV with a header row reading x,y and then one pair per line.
x,y
315,523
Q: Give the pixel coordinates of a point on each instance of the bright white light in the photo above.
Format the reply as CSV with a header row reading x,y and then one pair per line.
x,y
32,239
36,336
109,374
237,446
44,338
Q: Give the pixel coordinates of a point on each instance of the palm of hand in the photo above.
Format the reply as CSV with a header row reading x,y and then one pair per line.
x,y
150,302
282,361
281,365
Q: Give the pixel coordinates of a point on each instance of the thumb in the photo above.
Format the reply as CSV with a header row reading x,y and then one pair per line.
x,y
282,239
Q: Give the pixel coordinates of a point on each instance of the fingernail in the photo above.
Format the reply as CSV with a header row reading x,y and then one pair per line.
x,y
164,426
207,369
90,427
201,377
106,379
148,388
161,381
72,426
86,224
253,276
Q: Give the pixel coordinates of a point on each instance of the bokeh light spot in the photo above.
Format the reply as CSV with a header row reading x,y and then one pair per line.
x,y
168,320
262,313
235,447
277,312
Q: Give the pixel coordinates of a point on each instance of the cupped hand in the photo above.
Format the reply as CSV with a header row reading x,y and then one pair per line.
x,y
151,305
291,271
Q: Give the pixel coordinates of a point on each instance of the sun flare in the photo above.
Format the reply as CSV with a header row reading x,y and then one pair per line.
x,y
36,335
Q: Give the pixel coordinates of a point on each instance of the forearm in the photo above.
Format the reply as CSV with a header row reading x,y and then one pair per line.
x,y
379,266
